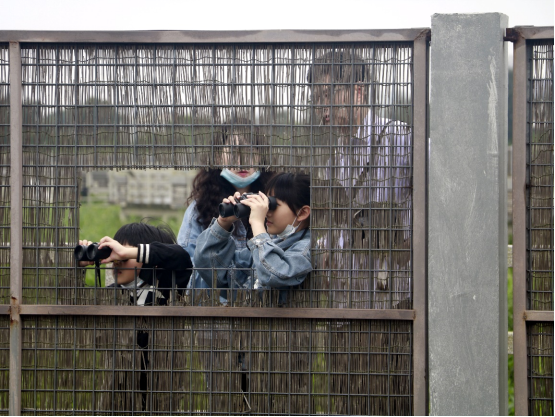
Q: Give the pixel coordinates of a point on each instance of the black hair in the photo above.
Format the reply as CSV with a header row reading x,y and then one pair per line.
x,y
347,68
292,189
133,234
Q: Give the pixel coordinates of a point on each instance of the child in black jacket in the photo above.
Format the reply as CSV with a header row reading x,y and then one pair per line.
x,y
150,265
147,259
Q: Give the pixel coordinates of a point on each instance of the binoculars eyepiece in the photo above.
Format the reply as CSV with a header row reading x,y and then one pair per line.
x,y
91,252
240,210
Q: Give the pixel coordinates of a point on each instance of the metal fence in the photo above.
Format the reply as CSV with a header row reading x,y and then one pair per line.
x,y
350,340
533,221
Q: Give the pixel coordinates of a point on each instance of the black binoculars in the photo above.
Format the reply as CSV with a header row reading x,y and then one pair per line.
x,y
239,209
91,252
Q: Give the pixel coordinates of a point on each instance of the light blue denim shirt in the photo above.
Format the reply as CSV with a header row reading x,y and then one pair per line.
x,y
275,263
189,232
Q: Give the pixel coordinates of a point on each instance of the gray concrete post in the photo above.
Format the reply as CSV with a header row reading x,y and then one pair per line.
x,y
467,263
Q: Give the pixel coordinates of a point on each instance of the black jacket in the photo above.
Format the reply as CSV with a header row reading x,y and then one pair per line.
x,y
162,264
160,261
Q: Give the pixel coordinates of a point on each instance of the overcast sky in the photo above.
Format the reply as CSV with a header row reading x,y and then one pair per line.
x,y
254,15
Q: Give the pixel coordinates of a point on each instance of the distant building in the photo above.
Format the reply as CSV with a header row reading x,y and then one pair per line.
x,y
163,187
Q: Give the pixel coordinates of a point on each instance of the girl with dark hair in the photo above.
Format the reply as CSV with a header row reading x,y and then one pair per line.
x,y
212,185
279,262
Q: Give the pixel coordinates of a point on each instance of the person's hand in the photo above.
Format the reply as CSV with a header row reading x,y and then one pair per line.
x,y
119,252
259,205
85,263
227,222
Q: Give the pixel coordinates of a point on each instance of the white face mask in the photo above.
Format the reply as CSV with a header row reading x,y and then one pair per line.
x,y
237,181
289,229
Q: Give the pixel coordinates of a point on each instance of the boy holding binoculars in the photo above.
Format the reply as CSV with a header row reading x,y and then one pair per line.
x,y
146,259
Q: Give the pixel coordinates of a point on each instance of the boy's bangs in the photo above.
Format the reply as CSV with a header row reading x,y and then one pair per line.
x,y
133,234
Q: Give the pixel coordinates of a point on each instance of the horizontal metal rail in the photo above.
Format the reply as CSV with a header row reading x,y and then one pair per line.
x,y
537,315
189,36
195,311
534,32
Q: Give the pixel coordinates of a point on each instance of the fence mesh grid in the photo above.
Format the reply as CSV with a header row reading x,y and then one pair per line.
x,y
540,227
540,368
541,179
341,113
4,363
218,366
95,107
4,178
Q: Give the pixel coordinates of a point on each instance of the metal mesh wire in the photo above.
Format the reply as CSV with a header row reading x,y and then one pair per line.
x,y
540,368
81,365
4,363
144,106
5,175
293,108
540,230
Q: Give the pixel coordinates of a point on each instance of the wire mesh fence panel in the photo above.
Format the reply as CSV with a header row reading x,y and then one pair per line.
x,y
540,227
540,368
4,178
118,365
541,179
4,363
339,112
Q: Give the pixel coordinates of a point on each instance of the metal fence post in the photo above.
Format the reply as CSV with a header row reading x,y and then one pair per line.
x,y
520,111
16,233
467,266
420,251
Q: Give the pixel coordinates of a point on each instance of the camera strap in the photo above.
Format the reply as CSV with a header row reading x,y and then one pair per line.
x,y
97,273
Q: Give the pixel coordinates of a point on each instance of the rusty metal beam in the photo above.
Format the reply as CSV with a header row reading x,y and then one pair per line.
x,y
245,312
520,112
420,227
16,227
537,315
250,36
534,32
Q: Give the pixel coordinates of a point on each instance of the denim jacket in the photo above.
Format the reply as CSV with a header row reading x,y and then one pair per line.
x,y
275,263
189,232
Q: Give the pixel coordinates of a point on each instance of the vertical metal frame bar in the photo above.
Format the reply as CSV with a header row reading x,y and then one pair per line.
x,y
420,226
520,119
16,227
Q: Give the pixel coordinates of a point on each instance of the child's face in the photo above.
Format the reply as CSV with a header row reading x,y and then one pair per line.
x,y
278,219
126,271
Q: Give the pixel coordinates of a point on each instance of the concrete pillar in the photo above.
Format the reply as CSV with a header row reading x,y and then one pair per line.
x,y
467,263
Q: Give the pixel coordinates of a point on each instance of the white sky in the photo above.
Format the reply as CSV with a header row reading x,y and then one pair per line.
x,y
254,15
